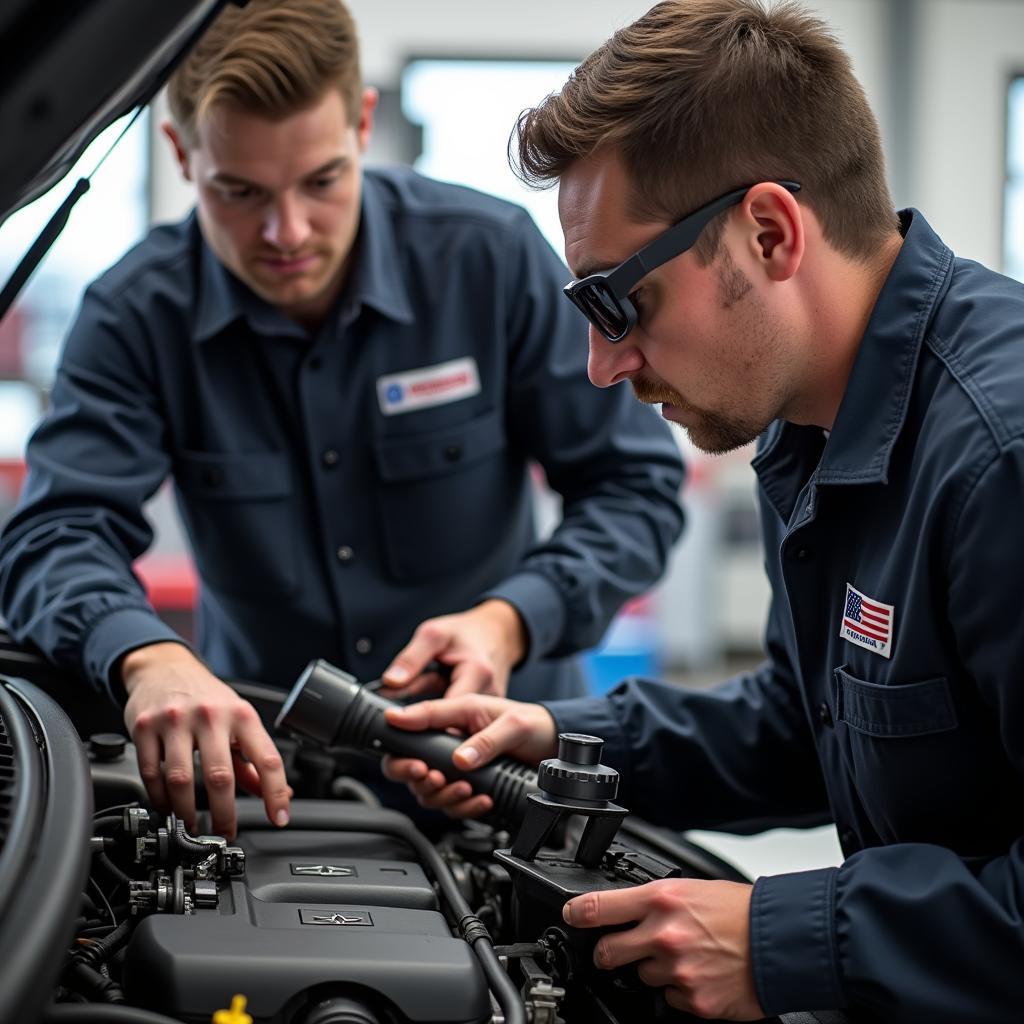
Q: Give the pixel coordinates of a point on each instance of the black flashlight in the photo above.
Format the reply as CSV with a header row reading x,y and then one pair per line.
x,y
332,709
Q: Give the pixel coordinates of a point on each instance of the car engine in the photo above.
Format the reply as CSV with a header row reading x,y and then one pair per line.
x,y
348,916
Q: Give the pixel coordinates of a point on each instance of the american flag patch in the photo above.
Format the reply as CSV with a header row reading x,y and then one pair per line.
x,y
867,623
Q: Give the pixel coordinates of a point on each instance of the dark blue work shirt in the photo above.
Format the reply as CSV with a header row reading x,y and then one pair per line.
x,y
892,700
339,489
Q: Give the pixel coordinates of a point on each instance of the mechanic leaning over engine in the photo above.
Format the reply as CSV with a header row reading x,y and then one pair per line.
x,y
347,373
884,380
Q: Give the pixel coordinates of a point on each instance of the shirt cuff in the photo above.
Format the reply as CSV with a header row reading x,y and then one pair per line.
x,y
540,606
793,943
116,634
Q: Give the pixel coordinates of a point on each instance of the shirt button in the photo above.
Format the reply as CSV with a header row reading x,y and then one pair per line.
x,y
453,452
803,554
847,838
364,645
330,458
824,715
345,554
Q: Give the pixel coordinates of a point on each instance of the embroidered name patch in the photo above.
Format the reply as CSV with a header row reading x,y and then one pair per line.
x,y
867,623
429,385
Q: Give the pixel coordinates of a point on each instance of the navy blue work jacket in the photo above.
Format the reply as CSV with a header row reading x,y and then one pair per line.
x,y
341,488
892,701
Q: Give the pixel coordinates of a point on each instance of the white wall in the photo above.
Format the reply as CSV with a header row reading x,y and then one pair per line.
x,y
968,51
393,30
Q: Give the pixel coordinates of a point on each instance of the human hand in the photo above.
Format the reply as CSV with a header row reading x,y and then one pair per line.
x,y
176,705
692,936
481,646
493,726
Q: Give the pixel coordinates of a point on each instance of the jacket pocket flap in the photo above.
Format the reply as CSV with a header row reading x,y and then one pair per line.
x,y
908,709
440,451
230,477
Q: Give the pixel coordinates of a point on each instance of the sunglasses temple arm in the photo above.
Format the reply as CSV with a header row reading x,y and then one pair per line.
x,y
682,237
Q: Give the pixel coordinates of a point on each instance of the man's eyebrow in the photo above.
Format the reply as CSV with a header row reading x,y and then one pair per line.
x,y
220,178
337,164
593,267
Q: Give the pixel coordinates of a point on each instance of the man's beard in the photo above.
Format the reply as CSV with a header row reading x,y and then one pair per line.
x,y
710,433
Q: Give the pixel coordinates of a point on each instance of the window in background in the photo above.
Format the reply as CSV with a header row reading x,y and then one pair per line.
x,y
467,109
110,217
1013,223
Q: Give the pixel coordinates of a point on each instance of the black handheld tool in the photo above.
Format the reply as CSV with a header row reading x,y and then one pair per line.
x,y
332,709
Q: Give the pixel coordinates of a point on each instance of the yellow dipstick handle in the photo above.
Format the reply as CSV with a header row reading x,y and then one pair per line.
x,y
236,1015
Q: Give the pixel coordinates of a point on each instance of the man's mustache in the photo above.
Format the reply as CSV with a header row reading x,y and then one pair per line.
x,y
652,394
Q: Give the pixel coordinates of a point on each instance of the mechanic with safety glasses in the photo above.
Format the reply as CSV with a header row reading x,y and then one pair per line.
x,y
348,374
737,254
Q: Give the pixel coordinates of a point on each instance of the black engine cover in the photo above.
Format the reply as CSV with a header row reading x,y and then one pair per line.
x,y
317,914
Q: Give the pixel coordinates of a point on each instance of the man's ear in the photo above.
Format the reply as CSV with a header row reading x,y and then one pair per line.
x,y
180,152
775,229
367,109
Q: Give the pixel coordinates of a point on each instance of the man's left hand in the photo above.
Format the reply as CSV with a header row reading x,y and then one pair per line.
x,y
481,646
692,936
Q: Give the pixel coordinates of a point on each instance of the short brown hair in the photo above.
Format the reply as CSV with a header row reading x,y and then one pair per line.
x,y
704,96
270,58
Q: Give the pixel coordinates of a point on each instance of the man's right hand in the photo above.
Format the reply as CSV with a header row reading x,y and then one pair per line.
x,y
492,725
175,706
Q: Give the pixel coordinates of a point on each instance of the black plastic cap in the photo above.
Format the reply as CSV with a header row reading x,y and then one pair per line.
x,y
576,774
107,746
579,748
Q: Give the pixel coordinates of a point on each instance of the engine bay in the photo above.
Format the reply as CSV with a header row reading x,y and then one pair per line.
x,y
351,914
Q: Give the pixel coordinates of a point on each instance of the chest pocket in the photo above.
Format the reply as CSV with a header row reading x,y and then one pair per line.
x,y
913,709
918,766
445,497
237,509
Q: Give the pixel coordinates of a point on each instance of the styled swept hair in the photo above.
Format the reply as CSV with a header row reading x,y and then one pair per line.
x,y
269,58
700,97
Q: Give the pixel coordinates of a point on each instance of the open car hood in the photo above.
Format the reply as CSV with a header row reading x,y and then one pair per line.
x,y
71,68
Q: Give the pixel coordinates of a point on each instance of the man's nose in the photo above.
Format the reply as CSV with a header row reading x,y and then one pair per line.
x,y
286,226
611,362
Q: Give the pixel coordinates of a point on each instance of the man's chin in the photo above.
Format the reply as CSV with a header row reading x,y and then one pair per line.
x,y
710,434
296,292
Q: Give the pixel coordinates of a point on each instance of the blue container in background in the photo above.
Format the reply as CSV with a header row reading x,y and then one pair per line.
x,y
629,648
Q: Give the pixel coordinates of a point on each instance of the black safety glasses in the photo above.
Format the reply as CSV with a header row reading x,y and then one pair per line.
x,y
603,298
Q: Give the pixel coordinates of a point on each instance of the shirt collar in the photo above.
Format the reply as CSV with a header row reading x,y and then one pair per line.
x,y
877,396
223,299
375,279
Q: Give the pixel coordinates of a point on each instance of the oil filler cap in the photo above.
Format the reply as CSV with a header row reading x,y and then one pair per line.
x,y
577,774
107,746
